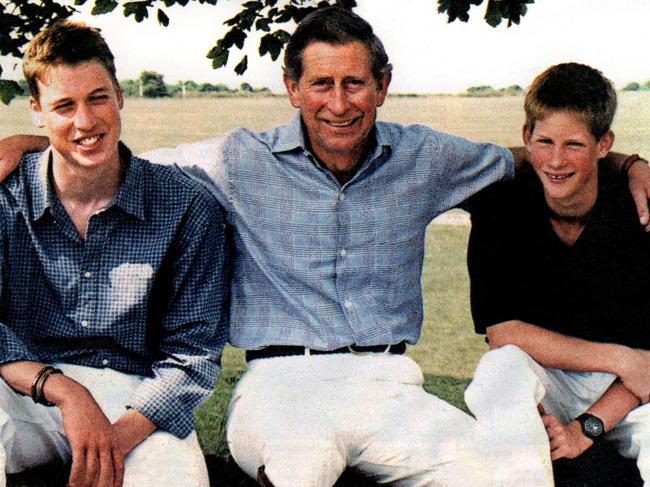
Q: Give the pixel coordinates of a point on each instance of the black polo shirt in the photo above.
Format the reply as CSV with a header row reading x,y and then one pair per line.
x,y
598,289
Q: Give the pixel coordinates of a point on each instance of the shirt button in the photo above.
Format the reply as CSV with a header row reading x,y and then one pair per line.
x,y
341,196
343,252
105,362
347,304
84,323
87,275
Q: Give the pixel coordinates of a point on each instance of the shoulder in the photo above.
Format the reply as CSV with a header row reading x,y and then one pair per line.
x,y
506,199
416,133
171,187
243,138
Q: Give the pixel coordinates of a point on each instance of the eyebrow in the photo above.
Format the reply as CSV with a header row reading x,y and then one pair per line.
x,y
96,91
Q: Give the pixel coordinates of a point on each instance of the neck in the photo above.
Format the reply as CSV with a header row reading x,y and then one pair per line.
x,y
573,210
86,186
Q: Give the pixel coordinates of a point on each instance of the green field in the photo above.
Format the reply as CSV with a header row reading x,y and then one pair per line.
x,y
448,349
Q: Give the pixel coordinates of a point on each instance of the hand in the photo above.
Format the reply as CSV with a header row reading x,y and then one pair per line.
x,y
566,440
639,182
131,429
634,372
96,459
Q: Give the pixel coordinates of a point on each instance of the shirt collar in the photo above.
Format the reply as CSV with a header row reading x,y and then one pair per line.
x,y
129,196
290,137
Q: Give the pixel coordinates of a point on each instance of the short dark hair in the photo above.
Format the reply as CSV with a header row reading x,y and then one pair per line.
x,y
334,25
576,88
68,43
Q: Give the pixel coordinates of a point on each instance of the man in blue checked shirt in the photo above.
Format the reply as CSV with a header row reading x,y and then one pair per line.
x,y
112,315
328,215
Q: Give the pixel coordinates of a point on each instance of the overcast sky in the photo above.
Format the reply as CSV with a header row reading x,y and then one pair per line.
x,y
428,55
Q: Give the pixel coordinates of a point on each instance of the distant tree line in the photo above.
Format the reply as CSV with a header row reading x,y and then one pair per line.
x,y
151,84
487,90
634,86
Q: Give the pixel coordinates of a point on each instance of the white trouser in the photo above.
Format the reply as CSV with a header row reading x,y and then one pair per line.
x,y
305,418
33,435
510,436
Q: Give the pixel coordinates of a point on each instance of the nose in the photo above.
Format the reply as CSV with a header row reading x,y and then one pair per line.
x,y
84,117
557,159
338,102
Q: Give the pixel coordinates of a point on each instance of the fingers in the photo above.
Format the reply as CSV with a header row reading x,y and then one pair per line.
x,y
118,466
641,201
106,472
92,466
550,421
78,470
561,452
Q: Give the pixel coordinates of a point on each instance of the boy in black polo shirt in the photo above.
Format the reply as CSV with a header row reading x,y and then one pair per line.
x,y
559,282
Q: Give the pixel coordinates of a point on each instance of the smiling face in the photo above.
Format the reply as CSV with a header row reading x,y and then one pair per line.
x,y
564,154
79,106
338,98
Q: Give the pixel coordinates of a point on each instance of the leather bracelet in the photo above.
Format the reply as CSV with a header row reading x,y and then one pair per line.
x,y
39,383
627,164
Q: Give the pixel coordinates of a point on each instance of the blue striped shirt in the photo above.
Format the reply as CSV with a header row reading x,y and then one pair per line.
x,y
325,265
143,294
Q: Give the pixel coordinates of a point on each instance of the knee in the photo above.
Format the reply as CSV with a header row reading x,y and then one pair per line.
x,y
509,357
313,464
502,374
170,458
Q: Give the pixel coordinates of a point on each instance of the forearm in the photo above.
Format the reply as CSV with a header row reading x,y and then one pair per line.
x,y
20,375
58,389
614,405
25,143
552,349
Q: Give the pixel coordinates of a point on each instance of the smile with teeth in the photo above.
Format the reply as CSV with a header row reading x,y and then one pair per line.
x,y
558,177
344,124
88,141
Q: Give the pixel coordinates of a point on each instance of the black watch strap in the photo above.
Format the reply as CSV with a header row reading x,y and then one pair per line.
x,y
592,426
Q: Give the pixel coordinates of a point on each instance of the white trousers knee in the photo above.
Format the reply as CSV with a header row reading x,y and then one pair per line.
x,y
510,437
32,434
305,418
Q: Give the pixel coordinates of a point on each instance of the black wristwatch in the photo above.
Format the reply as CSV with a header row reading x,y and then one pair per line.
x,y
592,426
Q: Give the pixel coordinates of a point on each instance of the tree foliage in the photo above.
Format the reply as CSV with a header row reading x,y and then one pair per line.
x,y
153,85
20,20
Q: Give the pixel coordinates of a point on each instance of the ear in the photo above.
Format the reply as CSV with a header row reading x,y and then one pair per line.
x,y
382,89
526,134
605,144
120,97
35,111
293,91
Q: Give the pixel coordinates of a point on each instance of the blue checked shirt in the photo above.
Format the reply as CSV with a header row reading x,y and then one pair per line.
x,y
325,265
143,294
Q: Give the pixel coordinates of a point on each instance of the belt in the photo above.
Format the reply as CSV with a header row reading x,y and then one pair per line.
x,y
290,350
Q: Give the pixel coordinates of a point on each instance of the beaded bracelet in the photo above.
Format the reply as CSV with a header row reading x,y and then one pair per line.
x,y
39,383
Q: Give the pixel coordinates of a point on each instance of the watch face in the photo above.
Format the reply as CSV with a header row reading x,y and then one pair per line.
x,y
593,427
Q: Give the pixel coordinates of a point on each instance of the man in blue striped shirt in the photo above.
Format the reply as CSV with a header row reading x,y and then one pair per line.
x,y
113,288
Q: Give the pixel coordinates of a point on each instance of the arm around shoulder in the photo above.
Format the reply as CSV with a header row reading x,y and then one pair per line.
x,y
14,147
